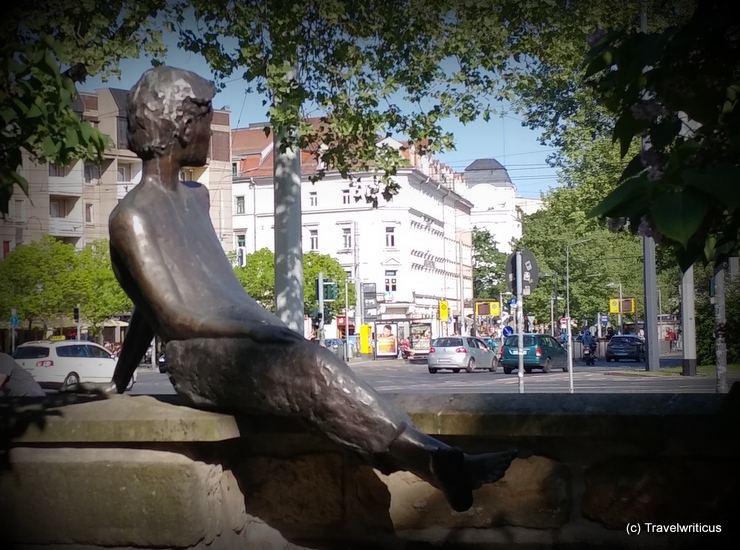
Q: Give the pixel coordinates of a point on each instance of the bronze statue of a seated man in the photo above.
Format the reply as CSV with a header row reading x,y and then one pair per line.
x,y
224,351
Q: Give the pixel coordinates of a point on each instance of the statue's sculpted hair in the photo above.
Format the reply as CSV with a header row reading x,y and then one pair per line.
x,y
159,103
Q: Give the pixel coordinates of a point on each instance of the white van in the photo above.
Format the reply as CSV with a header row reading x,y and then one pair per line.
x,y
57,363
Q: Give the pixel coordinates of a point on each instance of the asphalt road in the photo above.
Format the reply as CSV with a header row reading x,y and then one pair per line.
x,y
395,376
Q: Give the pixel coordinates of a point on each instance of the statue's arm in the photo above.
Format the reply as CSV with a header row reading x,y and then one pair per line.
x,y
138,337
144,264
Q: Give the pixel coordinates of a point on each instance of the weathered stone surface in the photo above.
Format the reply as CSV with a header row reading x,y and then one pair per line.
x,y
657,490
294,495
533,493
116,497
131,419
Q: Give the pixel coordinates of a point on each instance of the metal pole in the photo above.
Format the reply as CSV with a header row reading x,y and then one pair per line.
x,y
520,319
567,306
552,316
501,311
346,319
320,292
720,344
619,315
688,324
79,315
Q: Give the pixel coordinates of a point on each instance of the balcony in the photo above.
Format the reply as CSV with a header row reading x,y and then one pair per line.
x,y
68,186
66,227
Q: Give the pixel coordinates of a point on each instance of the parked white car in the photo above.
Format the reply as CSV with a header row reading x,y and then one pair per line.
x,y
58,363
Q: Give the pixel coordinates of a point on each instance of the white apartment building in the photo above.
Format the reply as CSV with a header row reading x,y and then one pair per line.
x,y
416,248
73,203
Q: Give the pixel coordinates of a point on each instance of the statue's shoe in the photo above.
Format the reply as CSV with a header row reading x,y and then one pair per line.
x,y
459,474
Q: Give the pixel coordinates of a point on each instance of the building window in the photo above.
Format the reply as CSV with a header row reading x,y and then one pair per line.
x,y
240,205
57,171
234,169
124,171
89,213
92,172
346,237
313,198
19,210
345,196
314,234
241,240
56,209
390,281
122,133
348,272
390,237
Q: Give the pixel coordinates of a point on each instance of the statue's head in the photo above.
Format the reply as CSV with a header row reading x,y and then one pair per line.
x,y
169,107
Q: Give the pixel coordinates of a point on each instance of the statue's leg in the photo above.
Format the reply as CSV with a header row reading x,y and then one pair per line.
x,y
449,469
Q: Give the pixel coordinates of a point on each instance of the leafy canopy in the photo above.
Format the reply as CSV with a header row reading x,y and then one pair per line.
x,y
678,89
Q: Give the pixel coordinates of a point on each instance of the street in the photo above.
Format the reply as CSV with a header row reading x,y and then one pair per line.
x,y
395,376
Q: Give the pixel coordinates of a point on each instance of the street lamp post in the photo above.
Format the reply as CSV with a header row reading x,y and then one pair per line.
x,y
567,306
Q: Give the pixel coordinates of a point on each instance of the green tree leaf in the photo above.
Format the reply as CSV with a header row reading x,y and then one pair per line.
x,y
679,215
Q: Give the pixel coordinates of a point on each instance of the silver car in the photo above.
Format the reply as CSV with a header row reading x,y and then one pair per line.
x,y
461,352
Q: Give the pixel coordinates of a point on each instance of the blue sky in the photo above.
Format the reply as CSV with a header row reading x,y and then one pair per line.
x,y
504,139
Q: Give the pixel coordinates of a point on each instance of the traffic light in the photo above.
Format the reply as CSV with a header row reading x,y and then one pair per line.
x,y
331,291
315,316
77,314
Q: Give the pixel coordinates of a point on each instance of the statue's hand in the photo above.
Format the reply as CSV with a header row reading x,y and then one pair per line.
x,y
91,388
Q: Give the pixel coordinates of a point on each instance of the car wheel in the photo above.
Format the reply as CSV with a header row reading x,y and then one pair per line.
x,y
528,369
565,368
547,365
72,379
456,370
432,370
471,365
494,365
608,359
507,370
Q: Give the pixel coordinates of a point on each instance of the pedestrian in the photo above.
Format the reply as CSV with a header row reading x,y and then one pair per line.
x,y
15,381
671,336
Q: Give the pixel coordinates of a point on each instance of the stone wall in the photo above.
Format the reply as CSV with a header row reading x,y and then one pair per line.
x,y
151,473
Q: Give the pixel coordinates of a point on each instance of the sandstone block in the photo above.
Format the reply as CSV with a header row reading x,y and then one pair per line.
x,y
533,493
116,497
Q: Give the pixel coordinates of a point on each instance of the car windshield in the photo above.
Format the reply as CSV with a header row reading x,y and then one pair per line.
x,y
447,342
624,340
30,352
513,341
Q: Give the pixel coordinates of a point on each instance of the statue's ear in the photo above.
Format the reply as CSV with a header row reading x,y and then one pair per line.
x,y
185,130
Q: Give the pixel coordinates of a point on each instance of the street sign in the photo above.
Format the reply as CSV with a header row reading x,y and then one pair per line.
x,y
604,319
614,305
564,323
507,331
512,302
13,321
530,273
530,318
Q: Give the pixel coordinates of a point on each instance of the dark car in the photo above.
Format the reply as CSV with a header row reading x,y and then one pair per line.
x,y
540,351
625,346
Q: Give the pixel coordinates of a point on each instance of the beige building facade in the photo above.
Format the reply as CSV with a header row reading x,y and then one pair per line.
x,y
72,203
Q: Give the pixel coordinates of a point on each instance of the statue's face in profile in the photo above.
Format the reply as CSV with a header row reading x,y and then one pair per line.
x,y
199,139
